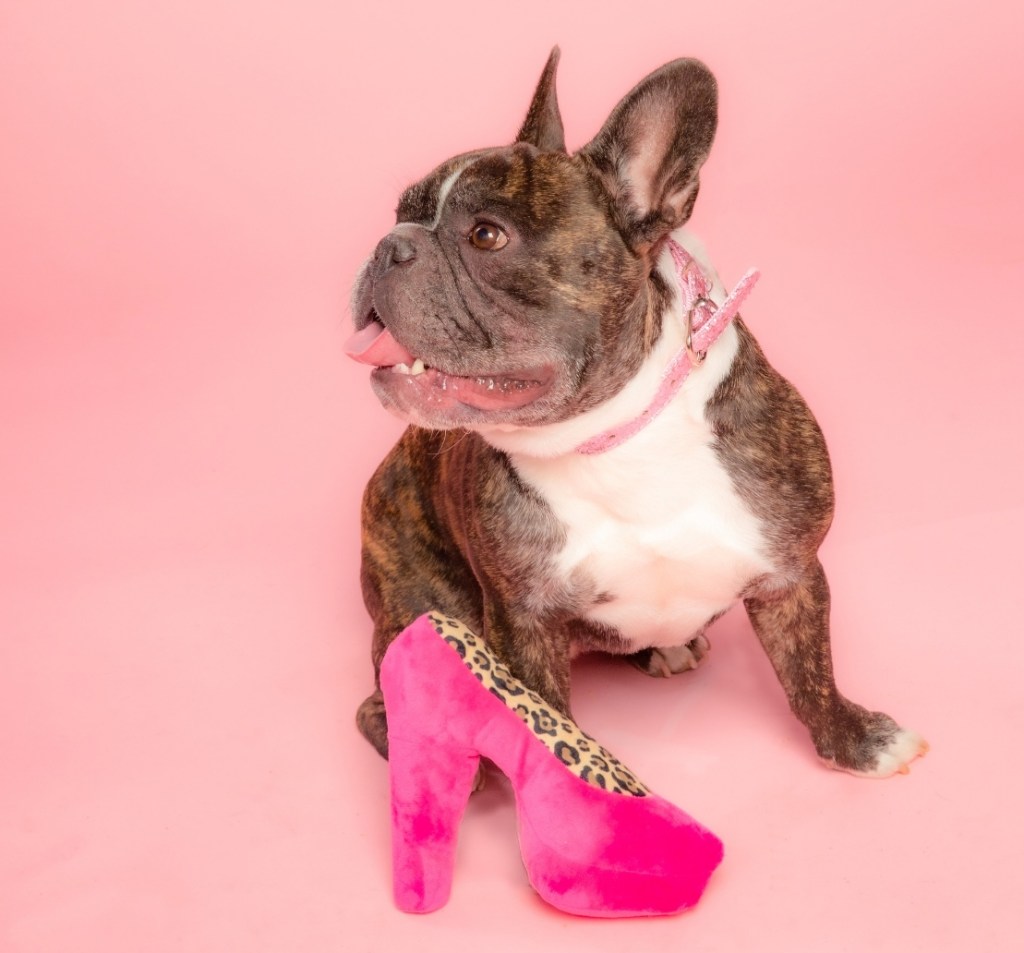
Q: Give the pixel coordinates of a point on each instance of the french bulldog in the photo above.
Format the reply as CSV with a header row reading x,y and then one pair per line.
x,y
526,303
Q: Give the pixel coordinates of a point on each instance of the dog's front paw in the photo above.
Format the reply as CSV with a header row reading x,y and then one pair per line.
x,y
872,745
664,662
896,756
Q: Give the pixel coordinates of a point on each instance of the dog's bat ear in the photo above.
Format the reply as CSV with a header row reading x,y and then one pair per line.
x,y
650,151
543,125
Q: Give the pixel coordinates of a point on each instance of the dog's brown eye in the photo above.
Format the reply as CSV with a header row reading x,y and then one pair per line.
x,y
488,237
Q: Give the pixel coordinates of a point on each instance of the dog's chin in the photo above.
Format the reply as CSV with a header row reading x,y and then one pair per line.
x,y
436,400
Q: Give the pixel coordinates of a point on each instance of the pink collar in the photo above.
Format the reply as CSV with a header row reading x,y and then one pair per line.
x,y
704,325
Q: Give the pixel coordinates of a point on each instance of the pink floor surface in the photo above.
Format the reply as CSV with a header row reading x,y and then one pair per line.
x,y
185,198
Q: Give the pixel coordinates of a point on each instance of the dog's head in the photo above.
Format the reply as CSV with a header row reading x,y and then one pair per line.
x,y
518,285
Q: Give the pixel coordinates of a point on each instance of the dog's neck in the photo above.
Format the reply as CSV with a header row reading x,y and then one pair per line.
x,y
601,429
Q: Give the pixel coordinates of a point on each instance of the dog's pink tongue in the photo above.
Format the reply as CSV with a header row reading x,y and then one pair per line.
x,y
375,345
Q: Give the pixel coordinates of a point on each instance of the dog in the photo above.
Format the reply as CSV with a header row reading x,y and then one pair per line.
x,y
523,317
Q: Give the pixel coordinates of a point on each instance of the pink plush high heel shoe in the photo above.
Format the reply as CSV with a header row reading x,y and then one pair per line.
x,y
594,840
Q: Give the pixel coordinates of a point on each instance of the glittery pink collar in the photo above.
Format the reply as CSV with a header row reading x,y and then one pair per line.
x,y
704,324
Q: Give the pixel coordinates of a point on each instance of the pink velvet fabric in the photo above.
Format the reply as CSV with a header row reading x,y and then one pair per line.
x,y
587,851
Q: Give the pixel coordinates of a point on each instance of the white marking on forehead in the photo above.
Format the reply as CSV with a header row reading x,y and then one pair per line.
x,y
442,194
446,187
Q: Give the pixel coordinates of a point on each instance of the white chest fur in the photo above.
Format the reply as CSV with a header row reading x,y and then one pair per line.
x,y
655,524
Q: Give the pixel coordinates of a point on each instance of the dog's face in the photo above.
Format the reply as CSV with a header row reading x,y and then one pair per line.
x,y
506,279
516,287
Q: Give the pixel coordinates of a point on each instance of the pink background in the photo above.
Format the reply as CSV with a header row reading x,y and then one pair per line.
x,y
186,191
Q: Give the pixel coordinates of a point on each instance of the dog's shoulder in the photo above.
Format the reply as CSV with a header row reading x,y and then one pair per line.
x,y
771,446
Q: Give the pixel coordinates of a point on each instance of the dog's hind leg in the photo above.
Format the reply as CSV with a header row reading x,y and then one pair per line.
x,y
668,661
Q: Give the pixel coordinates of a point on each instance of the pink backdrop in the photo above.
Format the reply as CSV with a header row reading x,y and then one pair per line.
x,y
186,191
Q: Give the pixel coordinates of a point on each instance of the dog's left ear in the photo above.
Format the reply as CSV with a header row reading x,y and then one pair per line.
x,y
649,153
543,125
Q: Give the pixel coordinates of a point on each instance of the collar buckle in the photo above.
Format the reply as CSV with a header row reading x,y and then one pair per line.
x,y
696,357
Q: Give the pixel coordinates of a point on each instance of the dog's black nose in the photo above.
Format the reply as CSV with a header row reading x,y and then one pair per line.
x,y
403,250
394,250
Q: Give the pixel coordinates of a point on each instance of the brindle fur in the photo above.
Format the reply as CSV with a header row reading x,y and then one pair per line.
x,y
436,509
429,515
775,454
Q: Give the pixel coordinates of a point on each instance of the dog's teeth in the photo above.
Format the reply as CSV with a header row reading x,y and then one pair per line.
x,y
418,367
401,368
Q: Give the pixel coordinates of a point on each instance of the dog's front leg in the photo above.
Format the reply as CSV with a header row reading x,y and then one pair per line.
x,y
534,647
793,626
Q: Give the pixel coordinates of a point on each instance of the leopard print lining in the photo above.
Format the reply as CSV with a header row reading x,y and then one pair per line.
x,y
580,753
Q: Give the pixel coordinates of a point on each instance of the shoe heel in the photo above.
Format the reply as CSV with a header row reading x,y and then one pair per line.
x,y
430,786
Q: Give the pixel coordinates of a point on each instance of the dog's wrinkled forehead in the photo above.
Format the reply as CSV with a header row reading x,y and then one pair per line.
x,y
532,187
424,201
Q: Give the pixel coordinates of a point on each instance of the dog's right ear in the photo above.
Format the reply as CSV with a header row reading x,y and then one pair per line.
x,y
543,125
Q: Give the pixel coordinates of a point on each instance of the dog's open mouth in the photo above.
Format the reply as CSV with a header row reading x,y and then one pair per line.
x,y
397,368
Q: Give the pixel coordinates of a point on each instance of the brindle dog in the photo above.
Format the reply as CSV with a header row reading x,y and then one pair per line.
x,y
526,301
